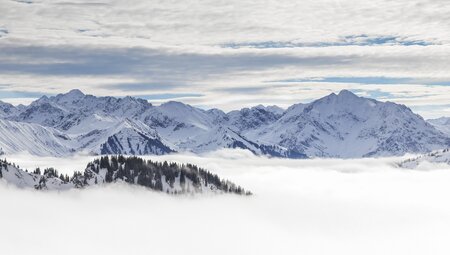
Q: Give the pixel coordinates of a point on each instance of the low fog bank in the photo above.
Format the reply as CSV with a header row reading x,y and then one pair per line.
x,y
317,206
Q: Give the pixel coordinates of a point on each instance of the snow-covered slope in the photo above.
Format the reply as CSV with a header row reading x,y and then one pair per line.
x,y
43,112
438,157
23,179
7,110
342,125
177,122
165,177
73,110
442,124
253,118
91,122
38,140
346,125
133,138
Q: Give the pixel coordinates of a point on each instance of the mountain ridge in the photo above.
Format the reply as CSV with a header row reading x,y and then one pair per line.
x,y
435,157
341,125
442,124
167,177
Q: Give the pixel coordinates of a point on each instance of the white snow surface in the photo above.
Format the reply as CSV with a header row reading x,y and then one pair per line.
x,y
347,126
18,177
442,124
33,138
339,125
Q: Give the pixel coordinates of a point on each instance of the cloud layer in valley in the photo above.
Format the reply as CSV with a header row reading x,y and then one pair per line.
x,y
312,206
228,54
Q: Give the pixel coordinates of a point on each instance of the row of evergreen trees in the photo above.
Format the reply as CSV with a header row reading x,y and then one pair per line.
x,y
142,172
149,173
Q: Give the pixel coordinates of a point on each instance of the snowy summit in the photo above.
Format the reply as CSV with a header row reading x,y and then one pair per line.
x,y
341,125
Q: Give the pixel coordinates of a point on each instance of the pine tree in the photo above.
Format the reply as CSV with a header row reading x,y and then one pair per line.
x,y
37,171
146,173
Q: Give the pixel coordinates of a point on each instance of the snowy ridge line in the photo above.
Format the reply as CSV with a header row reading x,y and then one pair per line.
x,y
442,124
170,178
436,157
339,125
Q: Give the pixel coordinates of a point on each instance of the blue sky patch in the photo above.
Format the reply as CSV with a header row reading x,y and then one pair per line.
x,y
359,80
352,40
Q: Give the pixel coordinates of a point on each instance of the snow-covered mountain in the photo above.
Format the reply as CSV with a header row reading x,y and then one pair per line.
x,y
72,111
165,177
7,110
338,125
442,124
34,138
123,137
253,118
345,125
437,157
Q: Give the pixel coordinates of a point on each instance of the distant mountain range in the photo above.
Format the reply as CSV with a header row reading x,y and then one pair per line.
x,y
339,125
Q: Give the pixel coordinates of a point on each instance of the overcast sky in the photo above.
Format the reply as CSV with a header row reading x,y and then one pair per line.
x,y
228,54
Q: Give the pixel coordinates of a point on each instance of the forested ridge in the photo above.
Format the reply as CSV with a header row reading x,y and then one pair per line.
x,y
168,177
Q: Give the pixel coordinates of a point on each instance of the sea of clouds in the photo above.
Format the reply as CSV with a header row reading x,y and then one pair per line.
x,y
314,206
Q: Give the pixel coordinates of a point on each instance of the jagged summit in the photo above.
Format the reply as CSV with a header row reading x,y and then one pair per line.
x,y
345,96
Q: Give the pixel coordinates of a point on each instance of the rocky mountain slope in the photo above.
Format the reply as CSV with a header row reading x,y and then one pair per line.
x,y
338,125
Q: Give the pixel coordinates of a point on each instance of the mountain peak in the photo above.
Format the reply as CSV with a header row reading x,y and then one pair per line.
x,y
346,93
343,98
271,108
42,99
75,93
175,104
338,125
